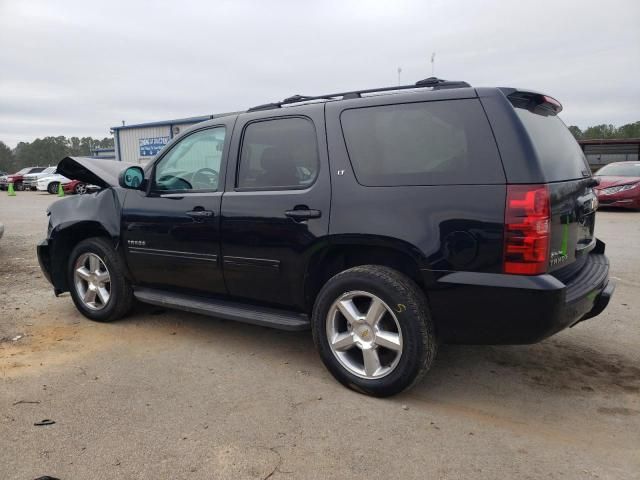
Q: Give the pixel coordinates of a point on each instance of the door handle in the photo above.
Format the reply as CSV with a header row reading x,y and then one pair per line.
x,y
301,214
200,214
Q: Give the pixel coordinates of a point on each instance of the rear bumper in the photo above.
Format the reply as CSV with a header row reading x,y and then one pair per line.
x,y
485,308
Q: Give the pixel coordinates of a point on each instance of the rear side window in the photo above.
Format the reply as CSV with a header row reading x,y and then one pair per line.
x,y
560,156
278,154
426,143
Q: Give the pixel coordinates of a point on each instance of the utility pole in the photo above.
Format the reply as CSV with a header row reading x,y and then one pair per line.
x,y
399,72
433,63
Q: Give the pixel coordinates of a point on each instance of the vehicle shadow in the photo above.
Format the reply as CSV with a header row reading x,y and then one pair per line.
x,y
558,365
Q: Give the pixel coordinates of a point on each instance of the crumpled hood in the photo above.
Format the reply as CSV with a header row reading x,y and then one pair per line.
x,y
103,173
606,181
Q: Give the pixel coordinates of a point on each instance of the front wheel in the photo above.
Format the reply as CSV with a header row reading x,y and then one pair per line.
x,y
97,281
80,189
372,328
52,188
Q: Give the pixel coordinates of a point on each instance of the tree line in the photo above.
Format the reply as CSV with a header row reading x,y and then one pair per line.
x,y
47,151
630,130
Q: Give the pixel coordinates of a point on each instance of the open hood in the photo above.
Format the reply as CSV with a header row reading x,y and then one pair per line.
x,y
103,173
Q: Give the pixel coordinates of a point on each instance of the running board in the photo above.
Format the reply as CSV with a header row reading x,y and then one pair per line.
x,y
228,310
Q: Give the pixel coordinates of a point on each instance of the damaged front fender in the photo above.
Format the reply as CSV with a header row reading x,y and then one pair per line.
x,y
72,220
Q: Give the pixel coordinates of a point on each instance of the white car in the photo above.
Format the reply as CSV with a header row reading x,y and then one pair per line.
x,y
30,180
50,183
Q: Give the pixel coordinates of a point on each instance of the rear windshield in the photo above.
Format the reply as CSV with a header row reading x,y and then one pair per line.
x,y
620,170
560,156
425,143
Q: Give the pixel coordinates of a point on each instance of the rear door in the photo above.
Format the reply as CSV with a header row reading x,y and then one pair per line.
x,y
275,210
567,174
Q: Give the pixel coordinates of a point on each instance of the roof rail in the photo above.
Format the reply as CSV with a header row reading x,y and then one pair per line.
x,y
431,82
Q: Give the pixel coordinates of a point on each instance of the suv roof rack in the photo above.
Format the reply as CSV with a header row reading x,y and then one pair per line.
x,y
431,82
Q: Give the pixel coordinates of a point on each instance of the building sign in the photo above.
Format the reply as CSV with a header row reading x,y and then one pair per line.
x,y
150,146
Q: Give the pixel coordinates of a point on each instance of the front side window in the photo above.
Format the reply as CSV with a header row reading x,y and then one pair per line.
x,y
193,164
278,154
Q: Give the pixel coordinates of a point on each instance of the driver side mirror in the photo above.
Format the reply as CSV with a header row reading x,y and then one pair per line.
x,y
132,178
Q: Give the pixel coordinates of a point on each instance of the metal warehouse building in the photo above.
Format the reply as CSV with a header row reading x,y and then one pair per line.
x,y
140,143
599,152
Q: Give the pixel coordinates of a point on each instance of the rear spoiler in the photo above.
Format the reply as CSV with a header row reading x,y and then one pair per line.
x,y
533,101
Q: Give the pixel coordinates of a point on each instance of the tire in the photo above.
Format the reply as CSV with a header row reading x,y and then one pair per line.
x,y
80,189
405,317
52,188
18,187
119,291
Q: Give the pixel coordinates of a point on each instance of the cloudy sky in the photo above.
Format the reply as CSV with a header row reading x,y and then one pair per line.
x,y
80,67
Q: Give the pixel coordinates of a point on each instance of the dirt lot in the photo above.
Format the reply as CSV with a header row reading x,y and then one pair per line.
x,y
176,395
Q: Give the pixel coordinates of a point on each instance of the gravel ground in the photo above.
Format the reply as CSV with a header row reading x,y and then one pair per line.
x,y
164,394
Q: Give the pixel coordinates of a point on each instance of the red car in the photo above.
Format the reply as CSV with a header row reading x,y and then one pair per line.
x,y
619,185
17,178
75,186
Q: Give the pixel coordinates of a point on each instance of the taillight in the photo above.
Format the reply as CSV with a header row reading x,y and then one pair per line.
x,y
527,220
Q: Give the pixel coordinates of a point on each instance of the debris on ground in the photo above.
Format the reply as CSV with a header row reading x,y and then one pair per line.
x,y
44,422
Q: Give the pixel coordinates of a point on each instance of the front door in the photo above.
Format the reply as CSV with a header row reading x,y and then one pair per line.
x,y
171,232
275,211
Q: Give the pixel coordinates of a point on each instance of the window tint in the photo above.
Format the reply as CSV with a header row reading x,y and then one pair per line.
x,y
193,163
279,153
560,156
427,143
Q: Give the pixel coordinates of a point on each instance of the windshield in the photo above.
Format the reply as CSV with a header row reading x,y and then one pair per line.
x,y
22,172
620,170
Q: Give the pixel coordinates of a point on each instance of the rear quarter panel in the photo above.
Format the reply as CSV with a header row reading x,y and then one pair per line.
x,y
444,227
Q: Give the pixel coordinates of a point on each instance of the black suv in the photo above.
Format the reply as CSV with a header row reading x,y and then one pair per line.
x,y
385,220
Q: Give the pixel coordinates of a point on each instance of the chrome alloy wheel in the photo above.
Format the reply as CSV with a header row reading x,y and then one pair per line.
x,y
92,281
81,189
364,335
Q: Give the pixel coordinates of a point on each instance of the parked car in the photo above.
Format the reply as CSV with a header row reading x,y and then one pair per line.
x,y
30,180
619,185
16,178
50,183
385,223
78,187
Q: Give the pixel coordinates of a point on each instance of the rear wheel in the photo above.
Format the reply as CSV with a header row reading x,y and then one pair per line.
x,y
373,331
18,186
97,281
52,187
80,188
